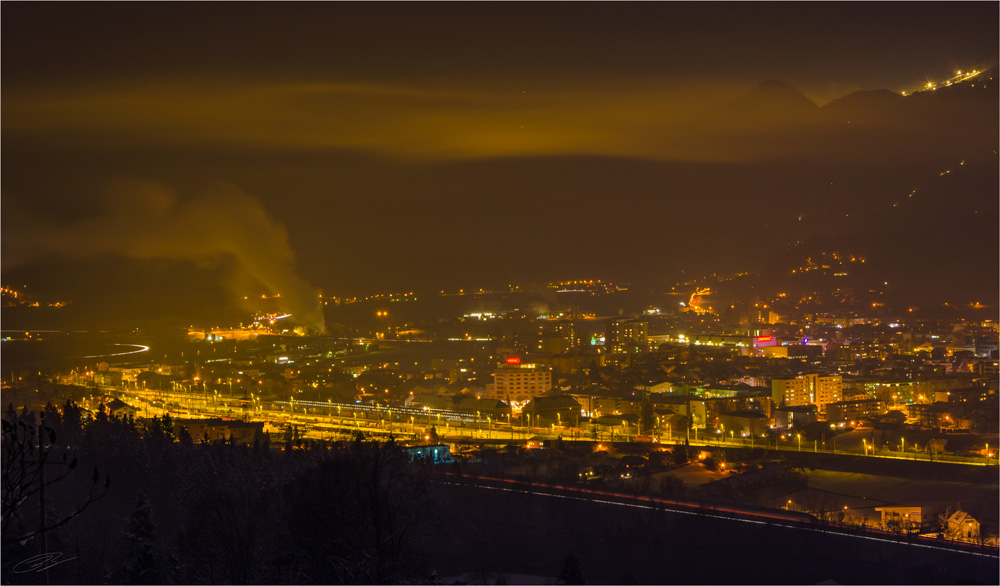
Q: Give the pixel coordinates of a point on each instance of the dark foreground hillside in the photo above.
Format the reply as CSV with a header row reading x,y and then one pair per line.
x,y
495,534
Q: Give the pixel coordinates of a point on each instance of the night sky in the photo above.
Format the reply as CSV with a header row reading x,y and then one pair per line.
x,y
183,153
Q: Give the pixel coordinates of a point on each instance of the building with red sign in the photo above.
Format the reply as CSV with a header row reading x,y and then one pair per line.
x,y
516,382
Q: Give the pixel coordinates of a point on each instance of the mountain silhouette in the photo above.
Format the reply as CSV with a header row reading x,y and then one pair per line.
x,y
775,121
912,180
879,107
772,102
947,108
937,242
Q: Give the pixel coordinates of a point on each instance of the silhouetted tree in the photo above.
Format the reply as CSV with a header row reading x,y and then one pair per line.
x,y
942,518
168,427
53,420
154,429
141,552
231,532
356,513
101,415
680,455
26,450
671,486
184,436
570,572
72,420
647,419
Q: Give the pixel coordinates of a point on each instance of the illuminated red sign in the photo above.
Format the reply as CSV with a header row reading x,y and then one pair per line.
x,y
764,338
513,360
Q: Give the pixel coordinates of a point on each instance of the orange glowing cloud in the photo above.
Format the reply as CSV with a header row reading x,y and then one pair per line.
x,y
627,119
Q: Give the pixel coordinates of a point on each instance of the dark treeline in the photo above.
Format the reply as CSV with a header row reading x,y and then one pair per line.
x,y
127,502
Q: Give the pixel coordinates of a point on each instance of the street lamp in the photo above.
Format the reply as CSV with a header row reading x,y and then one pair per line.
x,y
799,437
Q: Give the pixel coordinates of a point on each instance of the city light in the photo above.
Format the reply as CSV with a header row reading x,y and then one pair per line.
x,y
600,268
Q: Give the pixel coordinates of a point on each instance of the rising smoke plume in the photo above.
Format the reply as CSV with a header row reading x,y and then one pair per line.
x,y
147,221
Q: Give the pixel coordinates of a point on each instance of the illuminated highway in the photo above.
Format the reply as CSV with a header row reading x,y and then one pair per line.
x,y
323,419
318,420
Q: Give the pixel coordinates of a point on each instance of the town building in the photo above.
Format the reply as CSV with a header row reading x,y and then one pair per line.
x,y
431,402
744,423
556,336
806,389
847,411
797,416
221,430
961,525
597,401
483,408
905,518
626,336
435,454
120,409
553,410
516,382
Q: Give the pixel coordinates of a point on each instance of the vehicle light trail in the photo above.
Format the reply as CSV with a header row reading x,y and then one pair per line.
x,y
140,347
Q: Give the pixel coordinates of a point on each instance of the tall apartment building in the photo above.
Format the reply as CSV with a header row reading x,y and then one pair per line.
x,y
807,389
626,336
516,383
556,337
